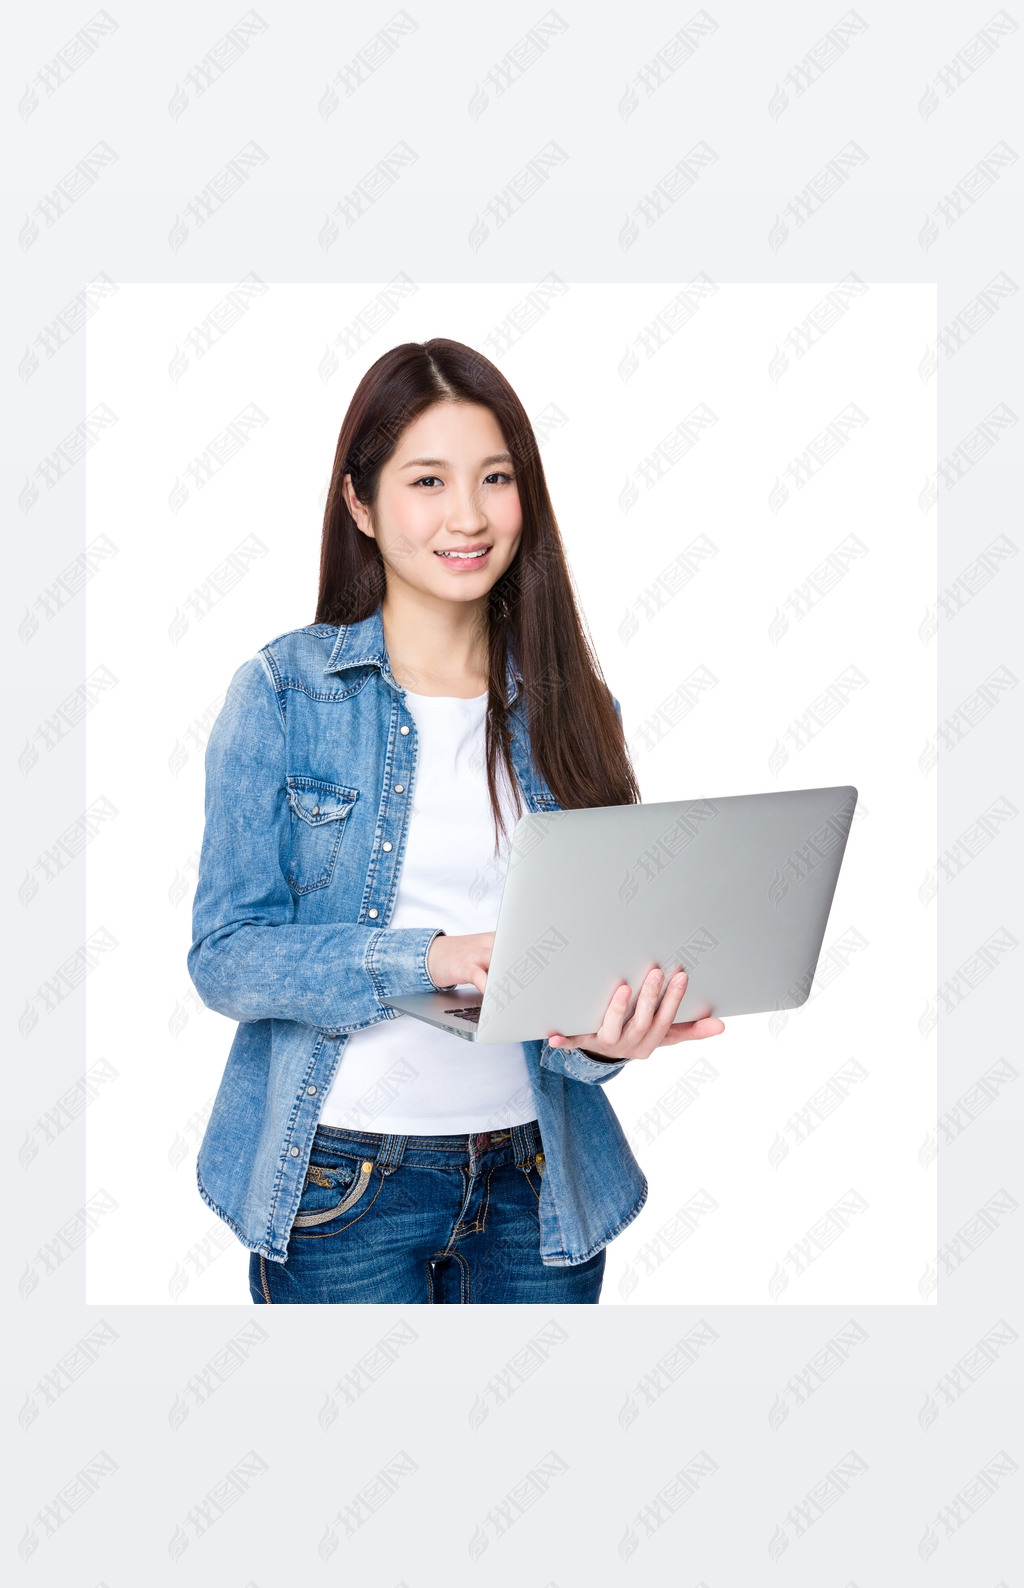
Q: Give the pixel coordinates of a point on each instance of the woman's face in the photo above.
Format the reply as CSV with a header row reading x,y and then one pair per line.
x,y
447,519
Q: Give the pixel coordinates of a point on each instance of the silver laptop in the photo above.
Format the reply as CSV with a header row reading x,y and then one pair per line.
x,y
735,890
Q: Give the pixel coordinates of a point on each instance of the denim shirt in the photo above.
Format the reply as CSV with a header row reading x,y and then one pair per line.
x,y
310,768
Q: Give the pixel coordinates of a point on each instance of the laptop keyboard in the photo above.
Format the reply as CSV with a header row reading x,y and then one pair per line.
x,y
472,1013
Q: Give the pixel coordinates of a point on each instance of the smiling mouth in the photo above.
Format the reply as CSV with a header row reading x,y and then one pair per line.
x,y
465,556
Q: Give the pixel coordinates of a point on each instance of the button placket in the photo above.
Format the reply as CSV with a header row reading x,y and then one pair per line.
x,y
387,845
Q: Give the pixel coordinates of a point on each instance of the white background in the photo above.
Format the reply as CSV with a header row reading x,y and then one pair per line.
x,y
145,746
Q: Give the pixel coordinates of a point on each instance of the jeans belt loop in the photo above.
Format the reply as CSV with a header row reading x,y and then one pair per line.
x,y
391,1152
523,1139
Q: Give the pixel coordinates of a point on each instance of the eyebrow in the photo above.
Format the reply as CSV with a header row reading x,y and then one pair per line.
x,y
442,463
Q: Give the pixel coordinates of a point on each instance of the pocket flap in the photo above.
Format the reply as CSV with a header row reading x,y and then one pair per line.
x,y
317,801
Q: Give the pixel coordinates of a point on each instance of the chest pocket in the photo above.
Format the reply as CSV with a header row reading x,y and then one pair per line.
x,y
319,811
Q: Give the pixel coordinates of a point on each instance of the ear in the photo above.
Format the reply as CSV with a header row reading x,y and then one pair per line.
x,y
356,508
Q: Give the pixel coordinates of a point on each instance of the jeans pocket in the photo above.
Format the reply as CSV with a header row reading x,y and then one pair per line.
x,y
331,1190
319,811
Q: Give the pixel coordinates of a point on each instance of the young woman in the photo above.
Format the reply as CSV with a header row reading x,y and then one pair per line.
x,y
363,777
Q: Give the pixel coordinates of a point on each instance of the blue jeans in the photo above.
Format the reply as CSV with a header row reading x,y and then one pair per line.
x,y
412,1220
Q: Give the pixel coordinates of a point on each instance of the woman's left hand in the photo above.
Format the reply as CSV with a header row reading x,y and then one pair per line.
x,y
650,1025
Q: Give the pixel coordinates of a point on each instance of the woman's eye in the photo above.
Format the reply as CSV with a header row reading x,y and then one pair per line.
x,y
433,479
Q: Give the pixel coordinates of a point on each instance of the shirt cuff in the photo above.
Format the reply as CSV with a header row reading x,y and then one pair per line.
x,y
599,1058
397,961
574,1063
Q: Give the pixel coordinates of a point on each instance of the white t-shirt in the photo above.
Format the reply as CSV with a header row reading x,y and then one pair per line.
x,y
402,1076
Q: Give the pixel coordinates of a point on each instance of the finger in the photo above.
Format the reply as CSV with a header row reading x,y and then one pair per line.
x,y
675,989
690,1030
610,1029
661,1019
646,1004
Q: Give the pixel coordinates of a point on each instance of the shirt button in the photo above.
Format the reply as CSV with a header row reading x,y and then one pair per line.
x,y
310,1091
387,846
294,1151
403,729
399,788
372,914
316,810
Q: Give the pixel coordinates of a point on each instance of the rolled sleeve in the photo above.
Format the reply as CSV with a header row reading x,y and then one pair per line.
x,y
397,961
574,1063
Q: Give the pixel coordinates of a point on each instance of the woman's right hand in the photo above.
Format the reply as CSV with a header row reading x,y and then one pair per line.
x,y
460,961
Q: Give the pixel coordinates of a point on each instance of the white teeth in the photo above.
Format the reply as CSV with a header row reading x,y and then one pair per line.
x,y
465,556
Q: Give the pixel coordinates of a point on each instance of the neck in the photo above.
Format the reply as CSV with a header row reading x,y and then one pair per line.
x,y
435,647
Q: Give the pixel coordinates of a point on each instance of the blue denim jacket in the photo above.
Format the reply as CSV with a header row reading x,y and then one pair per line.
x,y
290,936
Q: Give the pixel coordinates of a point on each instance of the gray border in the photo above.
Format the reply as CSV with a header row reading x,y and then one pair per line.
x,y
918,206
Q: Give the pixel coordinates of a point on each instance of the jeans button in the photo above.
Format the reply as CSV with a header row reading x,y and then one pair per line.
x,y
310,1091
293,1152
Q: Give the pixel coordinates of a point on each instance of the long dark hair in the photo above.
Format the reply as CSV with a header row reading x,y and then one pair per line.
x,y
575,735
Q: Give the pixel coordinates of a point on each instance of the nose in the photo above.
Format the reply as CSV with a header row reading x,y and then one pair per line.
x,y
465,514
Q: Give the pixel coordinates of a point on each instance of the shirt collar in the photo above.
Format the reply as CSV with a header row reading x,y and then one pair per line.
x,y
363,645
